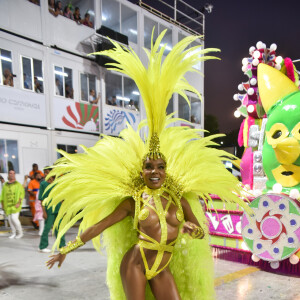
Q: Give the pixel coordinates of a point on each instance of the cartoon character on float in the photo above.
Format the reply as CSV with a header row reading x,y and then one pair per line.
x,y
273,233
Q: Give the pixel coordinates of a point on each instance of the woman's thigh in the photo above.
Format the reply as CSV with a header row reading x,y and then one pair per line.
x,y
163,286
133,277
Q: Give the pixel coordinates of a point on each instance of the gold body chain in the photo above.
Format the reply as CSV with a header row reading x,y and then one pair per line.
x,y
161,247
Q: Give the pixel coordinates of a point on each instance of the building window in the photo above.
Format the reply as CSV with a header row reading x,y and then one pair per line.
x,y
170,107
195,110
129,23
113,86
6,73
120,18
149,25
9,157
88,88
192,114
67,148
193,44
63,82
32,74
167,39
111,14
183,109
121,91
131,94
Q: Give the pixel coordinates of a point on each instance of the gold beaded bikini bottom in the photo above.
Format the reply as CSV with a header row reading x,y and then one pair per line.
x,y
150,243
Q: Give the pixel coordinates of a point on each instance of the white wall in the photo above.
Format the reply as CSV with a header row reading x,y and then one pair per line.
x,y
21,17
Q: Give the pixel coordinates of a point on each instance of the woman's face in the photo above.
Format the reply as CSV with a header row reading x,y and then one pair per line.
x,y
154,173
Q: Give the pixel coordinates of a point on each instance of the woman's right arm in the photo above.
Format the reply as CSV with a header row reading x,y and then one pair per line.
x,y
126,208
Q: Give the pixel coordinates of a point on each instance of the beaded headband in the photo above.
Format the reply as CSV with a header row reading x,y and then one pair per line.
x,y
154,149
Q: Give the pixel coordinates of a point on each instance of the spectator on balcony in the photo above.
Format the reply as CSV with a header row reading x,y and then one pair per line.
x,y
86,21
51,7
113,101
69,92
131,105
8,78
68,13
37,86
193,119
58,8
77,16
92,97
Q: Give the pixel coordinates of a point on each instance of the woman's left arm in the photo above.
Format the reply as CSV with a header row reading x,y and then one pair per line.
x,y
191,225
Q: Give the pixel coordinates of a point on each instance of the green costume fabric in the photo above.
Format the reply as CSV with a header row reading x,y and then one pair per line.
x,y
43,194
10,196
51,216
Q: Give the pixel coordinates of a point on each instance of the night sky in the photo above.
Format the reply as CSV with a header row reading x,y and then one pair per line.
x,y
234,26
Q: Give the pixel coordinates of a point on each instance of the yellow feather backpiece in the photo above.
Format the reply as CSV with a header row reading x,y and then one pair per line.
x,y
92,184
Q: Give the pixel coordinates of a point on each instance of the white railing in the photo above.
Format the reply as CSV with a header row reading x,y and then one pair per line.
x,y
193,21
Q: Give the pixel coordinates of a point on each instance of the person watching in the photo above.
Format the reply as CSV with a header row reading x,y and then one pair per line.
x,y
58,8
76,15
86,21
37,86
113,101
8,78
92,97
51,8
68,13
35,168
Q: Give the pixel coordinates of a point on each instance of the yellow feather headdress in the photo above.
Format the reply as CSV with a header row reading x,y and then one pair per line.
x,y
160,79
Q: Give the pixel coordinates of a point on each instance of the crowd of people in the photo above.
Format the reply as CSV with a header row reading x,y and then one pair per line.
x,y
8,79
132,105
56,8
33,189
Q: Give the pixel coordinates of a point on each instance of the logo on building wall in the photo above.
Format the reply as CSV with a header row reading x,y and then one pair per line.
x,y
115,118
82,116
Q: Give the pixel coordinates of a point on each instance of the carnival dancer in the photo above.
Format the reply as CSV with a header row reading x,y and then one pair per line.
x,y
143,196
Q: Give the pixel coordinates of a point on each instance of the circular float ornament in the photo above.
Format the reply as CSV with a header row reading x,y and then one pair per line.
x,y
273,233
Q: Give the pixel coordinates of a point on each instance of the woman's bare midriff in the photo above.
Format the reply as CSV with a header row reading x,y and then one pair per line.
x,y
152,228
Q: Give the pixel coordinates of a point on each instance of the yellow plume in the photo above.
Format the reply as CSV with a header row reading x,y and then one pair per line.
x,y
160,80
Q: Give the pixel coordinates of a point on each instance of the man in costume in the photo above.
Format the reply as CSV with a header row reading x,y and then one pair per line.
x,y
143,196
11,199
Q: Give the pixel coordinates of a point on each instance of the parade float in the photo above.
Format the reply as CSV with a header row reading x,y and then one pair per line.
x,y
270,168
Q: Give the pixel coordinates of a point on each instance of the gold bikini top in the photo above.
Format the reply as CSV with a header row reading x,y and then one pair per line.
x,y
150,243
144,213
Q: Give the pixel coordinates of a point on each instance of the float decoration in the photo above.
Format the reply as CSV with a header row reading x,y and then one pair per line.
x,y
273,234
270,168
